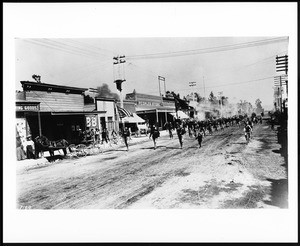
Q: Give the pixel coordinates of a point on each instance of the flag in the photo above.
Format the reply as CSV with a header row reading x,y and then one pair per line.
x,y
180,104
123,112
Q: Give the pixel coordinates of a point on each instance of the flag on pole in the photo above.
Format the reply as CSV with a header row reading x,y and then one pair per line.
x,y
123,112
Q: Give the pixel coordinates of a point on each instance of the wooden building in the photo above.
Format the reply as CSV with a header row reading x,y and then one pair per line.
x,y
61,113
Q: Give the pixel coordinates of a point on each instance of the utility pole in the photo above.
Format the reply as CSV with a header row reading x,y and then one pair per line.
x,y
160,78
191,84
118,60
282,66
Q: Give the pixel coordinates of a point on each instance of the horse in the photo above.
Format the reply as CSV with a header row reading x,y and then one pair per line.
x,y
42,144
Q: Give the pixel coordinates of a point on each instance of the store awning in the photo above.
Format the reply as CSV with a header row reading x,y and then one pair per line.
x,y
181,115
133,119
77,113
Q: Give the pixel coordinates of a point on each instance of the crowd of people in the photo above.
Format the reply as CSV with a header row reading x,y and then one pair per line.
x,y
200,129
194,128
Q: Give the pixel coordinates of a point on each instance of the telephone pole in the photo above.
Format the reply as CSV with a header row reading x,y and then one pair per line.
x,y
191,84
281,66
120,78
160,78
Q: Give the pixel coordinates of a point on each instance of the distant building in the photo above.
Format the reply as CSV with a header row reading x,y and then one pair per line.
x,y
153,109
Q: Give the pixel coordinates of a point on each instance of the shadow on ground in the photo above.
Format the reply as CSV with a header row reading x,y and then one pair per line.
x,y
279,193
54,158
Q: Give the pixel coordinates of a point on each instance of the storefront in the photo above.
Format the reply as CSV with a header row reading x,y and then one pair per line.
x,y
153,109
24,109
56,112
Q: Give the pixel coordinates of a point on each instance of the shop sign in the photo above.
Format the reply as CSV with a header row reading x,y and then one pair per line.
x,y
27,107
91,121
147,103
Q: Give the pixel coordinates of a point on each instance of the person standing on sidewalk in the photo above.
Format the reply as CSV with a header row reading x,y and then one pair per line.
x,y
29,148
104,136
97,136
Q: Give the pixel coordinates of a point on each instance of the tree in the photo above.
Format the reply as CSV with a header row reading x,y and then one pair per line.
x,y
259,108
224,100
199,99
104,91
172,94
88,99
212,98
245,107
258,103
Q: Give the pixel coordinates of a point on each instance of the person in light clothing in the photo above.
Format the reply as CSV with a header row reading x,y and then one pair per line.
x,y
29,148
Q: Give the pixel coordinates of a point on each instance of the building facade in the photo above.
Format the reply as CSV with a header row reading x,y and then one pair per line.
x,y
153,109
108,118
57,112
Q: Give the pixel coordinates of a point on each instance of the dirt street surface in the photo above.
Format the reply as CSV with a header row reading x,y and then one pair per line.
x,y
225,173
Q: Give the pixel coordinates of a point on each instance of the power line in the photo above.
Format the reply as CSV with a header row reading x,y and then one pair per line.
x,y
245,66
87,66
51,47
89,73
229,84
92,47
210,78
145,71
240,83
57,48
208,50
60,48
71,47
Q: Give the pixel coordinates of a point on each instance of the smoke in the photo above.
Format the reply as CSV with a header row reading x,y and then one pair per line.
x,y
104,91
206,110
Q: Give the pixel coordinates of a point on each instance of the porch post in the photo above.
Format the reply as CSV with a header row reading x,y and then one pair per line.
x,y
39,120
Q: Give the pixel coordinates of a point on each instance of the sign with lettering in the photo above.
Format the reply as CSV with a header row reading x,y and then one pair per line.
x,y
91,121
27,107
147,103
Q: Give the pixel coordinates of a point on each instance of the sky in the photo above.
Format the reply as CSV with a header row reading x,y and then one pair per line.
x,y
241,67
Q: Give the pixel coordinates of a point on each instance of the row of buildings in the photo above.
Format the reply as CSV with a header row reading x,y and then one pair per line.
x,y
61,112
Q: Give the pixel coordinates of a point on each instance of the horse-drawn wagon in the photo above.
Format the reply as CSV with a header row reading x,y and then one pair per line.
x,y
43,144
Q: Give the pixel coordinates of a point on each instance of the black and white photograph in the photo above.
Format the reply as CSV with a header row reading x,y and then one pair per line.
x,y
163,123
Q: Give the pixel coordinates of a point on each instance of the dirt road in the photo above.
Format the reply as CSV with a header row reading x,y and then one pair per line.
x,y
225,173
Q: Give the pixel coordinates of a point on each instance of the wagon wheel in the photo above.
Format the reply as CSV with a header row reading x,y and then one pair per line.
x,y
72,147
81,146
81,150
